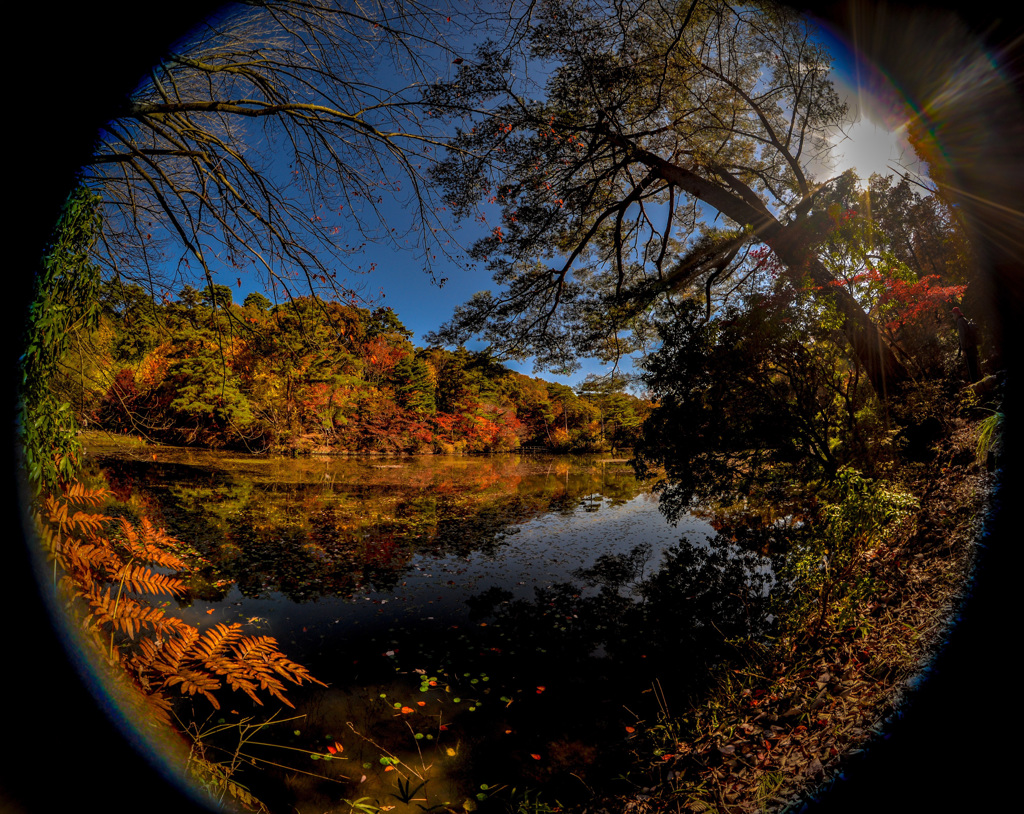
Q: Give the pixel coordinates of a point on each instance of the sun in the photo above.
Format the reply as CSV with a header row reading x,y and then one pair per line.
x,y
868,147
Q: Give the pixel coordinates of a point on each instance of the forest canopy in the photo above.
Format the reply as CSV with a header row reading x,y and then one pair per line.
x,y
311,375
671,141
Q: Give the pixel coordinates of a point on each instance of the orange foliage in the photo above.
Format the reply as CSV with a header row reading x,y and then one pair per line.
x,y
106,568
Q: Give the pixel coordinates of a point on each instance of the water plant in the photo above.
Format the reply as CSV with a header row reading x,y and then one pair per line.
x,y
406,791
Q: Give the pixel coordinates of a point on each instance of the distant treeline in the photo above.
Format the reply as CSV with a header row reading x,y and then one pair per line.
x,y
310,374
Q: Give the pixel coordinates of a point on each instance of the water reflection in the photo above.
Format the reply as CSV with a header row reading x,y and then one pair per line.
x,y
336,527
539,595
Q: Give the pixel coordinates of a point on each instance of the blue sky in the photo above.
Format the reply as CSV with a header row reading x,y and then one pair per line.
x,y
398,280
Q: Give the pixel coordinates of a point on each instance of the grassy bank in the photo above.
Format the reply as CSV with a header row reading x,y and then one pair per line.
x,y
789,713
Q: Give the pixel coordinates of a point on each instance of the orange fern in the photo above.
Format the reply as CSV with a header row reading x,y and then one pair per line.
x,y
106,572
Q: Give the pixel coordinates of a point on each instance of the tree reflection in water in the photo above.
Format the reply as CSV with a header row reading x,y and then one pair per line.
x,y
546,595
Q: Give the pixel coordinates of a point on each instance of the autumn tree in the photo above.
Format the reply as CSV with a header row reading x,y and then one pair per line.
x,y
670,139
903,256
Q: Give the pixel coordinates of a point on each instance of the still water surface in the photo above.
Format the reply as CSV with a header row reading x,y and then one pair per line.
x,y
500,600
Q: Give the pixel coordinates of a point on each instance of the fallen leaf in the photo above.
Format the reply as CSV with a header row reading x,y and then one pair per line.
x,y
535,757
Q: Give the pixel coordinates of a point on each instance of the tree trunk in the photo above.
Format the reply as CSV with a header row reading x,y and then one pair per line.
x,y
791,246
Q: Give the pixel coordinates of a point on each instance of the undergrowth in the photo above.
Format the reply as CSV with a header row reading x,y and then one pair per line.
x,y
870,590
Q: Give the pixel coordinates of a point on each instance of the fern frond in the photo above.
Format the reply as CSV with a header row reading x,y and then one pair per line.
x,y
175,651
264,654
81,495
216,639
238,676
58,513
241,793
160,707
87,561
101,566
156,546
142,580
132,616
101,604
193,682
86,522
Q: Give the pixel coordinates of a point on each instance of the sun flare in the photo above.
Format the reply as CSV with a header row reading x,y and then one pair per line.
x,y
868,147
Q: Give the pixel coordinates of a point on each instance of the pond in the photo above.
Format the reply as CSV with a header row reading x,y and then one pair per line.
x,y
484,623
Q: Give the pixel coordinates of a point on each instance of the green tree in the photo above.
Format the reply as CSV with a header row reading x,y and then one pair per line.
x,y
136,318
413,385
66,304
761,396
257,302
383,322
202,392
216,296
452,380
620,418
656,117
